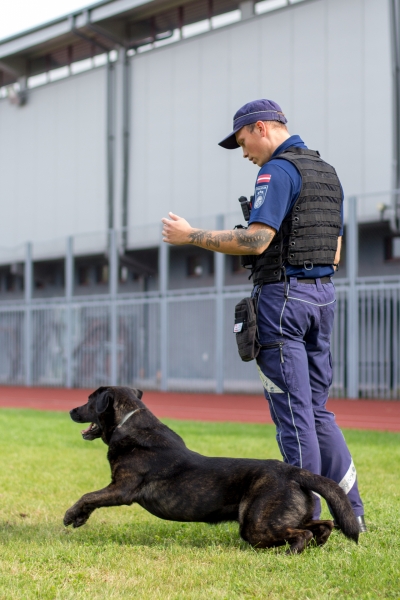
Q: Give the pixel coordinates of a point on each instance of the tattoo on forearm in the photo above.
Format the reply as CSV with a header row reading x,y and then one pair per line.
x,y
251,240
209,239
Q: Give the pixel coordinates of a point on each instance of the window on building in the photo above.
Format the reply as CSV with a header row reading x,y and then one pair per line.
x,y
102,274
123,274
194,268
236,265
83,275
211,262
392,248
10,282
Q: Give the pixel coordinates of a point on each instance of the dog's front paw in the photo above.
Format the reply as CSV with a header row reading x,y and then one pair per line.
x,y
75,517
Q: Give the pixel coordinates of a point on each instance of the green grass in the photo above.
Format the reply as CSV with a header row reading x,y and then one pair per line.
x,y
125,552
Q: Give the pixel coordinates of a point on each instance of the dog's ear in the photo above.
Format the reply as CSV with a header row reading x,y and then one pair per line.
x,y
97,392
138,393
103,400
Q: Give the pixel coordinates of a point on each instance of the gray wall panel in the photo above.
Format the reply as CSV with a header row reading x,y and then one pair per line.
x,y
326,62
52,160
377,99
346,91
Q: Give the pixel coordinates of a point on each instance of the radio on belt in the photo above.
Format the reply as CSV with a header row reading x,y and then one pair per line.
x,y
246,206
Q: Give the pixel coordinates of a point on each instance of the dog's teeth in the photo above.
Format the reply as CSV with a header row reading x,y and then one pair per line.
x,y
88,429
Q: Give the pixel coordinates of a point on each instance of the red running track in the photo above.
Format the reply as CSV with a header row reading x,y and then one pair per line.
x,y
380,415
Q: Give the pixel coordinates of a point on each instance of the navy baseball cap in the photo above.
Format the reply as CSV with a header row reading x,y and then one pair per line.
x,y
258,110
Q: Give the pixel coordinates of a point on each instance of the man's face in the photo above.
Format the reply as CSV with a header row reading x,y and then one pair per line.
x,y
254,144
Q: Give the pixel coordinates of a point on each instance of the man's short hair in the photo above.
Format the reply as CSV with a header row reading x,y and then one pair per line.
x,y
272,125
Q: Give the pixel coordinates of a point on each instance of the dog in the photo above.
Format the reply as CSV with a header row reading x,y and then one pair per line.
x,y
151,465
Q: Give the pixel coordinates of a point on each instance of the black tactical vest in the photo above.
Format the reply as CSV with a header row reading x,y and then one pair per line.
x,y
309,233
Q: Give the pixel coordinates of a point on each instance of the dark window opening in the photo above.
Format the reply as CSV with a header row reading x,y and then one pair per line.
x,y
236,265
194,268
392,248
123,274
102,274
83,275
211,263
10,282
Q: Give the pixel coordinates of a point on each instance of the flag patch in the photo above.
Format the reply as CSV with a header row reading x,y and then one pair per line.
x,y
263,179
238,327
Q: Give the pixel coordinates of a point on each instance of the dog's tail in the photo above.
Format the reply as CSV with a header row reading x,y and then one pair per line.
x,y
336,498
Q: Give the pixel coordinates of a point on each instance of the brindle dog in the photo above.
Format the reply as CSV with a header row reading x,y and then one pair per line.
x,y
151,465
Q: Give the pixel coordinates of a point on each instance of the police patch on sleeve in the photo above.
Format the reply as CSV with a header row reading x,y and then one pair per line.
x,y
260,194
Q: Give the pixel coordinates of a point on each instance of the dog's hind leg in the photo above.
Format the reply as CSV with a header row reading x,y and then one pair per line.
x,y
297,539
275,516
321,530
274,536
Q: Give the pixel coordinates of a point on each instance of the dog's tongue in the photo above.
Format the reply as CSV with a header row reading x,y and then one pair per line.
x,y
87,430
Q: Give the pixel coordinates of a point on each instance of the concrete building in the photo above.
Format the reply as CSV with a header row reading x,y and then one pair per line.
x,y
110,117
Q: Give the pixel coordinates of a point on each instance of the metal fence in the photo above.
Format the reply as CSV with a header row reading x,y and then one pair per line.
x,y
183,339
88,344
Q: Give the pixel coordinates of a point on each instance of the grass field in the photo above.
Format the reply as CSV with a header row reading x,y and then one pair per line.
x,y
127,553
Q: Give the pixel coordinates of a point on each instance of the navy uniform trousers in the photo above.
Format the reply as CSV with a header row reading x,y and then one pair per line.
x,y
296,371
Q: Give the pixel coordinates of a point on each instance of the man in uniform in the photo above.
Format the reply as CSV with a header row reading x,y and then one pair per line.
x,y
292,245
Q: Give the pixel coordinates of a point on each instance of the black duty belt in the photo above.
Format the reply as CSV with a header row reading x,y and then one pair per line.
x,y
325,279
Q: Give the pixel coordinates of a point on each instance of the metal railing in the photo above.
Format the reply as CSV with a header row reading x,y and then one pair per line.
x,y
183,339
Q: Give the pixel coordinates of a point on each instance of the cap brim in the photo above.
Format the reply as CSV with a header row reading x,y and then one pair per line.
x,y
229,142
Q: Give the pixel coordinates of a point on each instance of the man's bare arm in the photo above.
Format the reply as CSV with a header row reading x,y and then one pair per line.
x,y
338,252
253,240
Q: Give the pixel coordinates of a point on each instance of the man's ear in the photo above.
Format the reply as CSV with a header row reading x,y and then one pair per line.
x,y
138,393
103,400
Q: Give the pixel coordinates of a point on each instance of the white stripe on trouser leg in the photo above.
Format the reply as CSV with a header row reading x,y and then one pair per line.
x,y
270,386
349,479
297,434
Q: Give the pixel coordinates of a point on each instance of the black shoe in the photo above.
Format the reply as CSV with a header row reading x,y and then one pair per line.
x,y
362,528
361,524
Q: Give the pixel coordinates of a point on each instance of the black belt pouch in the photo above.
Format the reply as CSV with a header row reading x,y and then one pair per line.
x,y
246,329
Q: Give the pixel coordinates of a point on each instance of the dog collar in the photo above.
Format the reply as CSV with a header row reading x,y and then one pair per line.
x,y
127,416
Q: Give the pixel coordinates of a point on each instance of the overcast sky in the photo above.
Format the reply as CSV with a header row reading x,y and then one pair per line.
x,y
19,15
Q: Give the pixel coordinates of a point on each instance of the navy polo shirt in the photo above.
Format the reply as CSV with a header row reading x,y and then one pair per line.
x,y
278,186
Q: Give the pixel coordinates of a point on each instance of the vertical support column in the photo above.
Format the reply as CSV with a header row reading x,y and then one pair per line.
x,y
219,313
163,274
113,283
28,287
69,290
352,301
119,119
126,105
247,9
110,142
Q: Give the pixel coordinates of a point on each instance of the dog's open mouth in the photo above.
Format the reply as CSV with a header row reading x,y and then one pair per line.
x,y
92,432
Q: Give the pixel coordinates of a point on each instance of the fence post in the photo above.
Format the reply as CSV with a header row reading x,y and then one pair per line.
x,y
113,289
163,274
219,316
352,333
69,290
28,287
